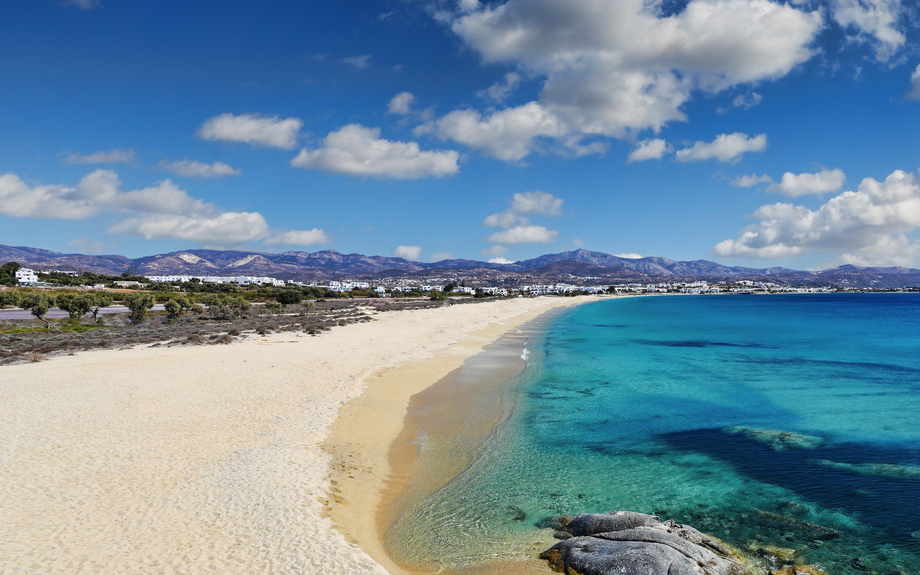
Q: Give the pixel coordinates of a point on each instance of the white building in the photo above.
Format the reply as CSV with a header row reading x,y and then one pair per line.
x,y
26,276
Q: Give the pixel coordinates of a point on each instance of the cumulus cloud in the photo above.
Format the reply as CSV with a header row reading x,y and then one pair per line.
x,y
191,169
299,238
500,90
223,229
84,4
359,151
407,252
506,134
749,180
253,129
630,256
868,225
649,150
357,62
725,148
526,204
95,193
441,256
109,157
155,212
524,235
875,21
793,185
914,93
614,68
401,103
500,261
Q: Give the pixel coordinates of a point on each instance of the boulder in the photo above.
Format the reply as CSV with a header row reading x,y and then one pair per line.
x,y
626,542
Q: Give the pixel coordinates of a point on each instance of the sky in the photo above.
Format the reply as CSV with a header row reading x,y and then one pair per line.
x,y
757,133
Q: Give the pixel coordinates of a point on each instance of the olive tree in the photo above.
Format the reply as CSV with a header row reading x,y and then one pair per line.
x,y
173,310
138,303
9,298
39,303
98,301
76,305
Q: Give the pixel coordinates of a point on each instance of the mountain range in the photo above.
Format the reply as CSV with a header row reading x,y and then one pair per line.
x,y
577,266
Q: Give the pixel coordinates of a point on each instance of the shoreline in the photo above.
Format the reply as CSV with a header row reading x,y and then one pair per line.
x,y
188,459
365,445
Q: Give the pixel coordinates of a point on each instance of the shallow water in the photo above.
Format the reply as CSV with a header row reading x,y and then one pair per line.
x,y
784,420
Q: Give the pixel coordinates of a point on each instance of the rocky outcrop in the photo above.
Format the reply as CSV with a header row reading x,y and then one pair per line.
x,y
626,542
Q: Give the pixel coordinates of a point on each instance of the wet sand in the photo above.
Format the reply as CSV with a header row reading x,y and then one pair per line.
x,y
378,467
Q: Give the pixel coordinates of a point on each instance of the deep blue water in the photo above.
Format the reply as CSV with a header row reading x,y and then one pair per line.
x,y
791,421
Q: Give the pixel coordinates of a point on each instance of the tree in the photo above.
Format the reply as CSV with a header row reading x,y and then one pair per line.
x,y
289,297
39,303
99,301
173,310
9,298
8,273
450,287
273,307
138,303
76,305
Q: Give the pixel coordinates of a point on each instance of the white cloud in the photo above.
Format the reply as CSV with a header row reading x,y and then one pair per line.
x,y
868,225
749,180
360,151
508,134
798,185
630,256
159,211
725,148
358,62
95,193
875,21
253,129
524,235
536,204
578,243
914,93
84,4
528,203
747,102
649,150
109,157
500,90
192,169
495,250
216,230
401,103
407,252
299,238
500,261
441,256
615,68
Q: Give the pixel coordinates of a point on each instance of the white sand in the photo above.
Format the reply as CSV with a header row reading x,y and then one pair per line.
x,y
197,459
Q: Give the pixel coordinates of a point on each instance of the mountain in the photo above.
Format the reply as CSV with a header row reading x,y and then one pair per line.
x,y
577,266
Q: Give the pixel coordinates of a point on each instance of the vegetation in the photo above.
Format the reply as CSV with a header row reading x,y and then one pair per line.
x,y
8,273
289,297
39,304
138,303
10,298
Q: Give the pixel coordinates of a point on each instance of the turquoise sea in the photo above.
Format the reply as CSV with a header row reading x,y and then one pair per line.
x,y
791,421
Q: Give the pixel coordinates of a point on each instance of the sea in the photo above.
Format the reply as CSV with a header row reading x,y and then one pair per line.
x,y
771,422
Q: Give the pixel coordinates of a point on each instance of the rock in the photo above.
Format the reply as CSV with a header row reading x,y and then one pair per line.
x,y
627,542
799,570
777,556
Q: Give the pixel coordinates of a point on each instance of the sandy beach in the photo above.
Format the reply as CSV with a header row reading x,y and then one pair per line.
x,y
215,458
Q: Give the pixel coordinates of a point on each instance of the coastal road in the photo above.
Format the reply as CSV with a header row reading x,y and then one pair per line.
x,y
55,313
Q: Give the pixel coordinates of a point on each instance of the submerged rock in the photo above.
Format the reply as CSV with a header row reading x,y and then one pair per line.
x,y
627,542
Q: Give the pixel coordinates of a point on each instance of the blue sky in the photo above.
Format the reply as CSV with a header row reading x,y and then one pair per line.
x,y
750,132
